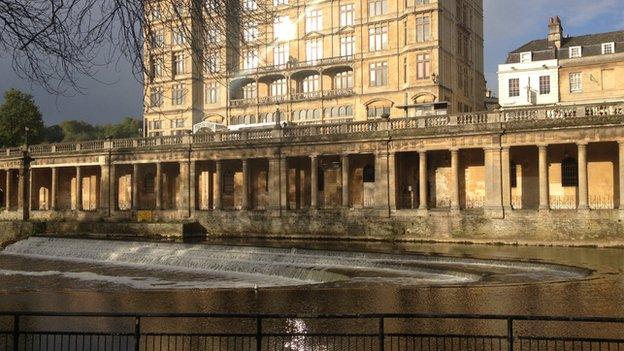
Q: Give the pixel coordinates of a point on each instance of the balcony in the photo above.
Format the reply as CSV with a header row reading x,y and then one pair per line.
x,y
264,100
294,65
338,92
273,99
243,102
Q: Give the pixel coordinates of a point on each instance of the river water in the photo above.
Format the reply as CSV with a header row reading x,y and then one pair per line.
x,y
81,275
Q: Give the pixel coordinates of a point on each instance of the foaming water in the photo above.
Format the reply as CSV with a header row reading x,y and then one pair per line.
x,y
148,265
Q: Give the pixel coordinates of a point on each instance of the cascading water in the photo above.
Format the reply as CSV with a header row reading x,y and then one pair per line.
x,y
148,265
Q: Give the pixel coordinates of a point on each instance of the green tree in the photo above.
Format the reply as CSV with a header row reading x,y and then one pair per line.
x,y
17,112
79,131
53,134
127,128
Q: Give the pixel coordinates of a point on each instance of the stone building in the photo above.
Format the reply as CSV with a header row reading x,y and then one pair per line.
x,y
318,62
564,70
543,174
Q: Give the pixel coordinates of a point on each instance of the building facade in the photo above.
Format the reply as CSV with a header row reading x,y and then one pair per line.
x,y
515,174
563,70
320,61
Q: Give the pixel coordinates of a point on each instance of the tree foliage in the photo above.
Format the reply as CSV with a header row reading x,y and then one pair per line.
x,y
18,112
74,130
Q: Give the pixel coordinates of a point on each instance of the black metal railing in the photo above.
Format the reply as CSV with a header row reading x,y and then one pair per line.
x,y
268,332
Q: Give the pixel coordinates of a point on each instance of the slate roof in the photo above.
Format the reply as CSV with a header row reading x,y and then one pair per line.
x,y
591,43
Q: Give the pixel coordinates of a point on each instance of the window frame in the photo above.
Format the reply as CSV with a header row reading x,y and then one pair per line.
x,y
573,53
513,90
610,45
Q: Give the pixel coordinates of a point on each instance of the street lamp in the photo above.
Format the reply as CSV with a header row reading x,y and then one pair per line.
x,y
277,115
26,130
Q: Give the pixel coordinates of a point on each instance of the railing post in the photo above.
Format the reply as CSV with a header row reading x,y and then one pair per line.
x,y
16,332
510,335
137,333
381,334
258,334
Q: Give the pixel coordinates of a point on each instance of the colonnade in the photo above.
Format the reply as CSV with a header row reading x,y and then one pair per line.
x,y
315,182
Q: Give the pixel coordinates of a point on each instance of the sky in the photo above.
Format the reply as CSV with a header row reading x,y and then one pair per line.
x,y
508,25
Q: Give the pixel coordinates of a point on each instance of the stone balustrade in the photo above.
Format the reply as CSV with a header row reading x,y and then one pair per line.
x,y
375,125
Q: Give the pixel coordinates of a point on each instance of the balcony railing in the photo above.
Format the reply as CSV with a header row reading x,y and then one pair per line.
x,y
293,65
337,128
306,95
272,99
243,102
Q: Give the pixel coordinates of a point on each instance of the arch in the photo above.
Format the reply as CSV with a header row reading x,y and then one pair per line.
x,y
424,98
215,118
368,174
379,101
569,172
378,107
317,114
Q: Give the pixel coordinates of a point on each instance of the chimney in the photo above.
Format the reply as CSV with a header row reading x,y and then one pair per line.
x,y
555,32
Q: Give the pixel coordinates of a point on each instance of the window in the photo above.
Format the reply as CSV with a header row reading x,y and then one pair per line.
x,y
281,54
280,2
278,87
250,58
608,48
378,38
423,29
178,63
179,8
157,66
283,29
544,87
368,174
178,36
314,49
311,83
378,74
343,80
377,7
249,91
250,32
423,62
212,36
576,83
177,94
148,183
158,39
569,172
156,13
346,15
211,65
422,2
526,57
157,125
211,5
576,51
405,70
347,45
156,96
177,123
378,111
211,93
514,87
250,5
339,111
314,21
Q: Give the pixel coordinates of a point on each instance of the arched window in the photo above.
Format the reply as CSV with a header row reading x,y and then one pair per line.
x,y
321,179
342,111
148,183
335,112
252,119
569,172
349,110
368,174
317,114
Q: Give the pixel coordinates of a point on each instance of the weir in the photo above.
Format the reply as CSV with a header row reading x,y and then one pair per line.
x,y
221,266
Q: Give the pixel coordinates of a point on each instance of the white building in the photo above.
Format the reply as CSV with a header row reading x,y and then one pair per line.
x,y
528,82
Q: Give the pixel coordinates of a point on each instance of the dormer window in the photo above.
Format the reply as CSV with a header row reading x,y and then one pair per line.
x,y
608,48
576,52
526,57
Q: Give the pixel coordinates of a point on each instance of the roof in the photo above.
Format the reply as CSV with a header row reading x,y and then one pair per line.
x,y
542,49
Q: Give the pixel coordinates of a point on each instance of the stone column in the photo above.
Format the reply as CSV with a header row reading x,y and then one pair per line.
x,y
218,204
54,189
454,180
382,178
7,192
583,203
245,166
30,189
21,188
314,181
113,202
345,180
185,181
621,176
158,186
78,188
506,178
192,187
544,204
422,181
105,188
392,181
283,182
493,183
135,186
